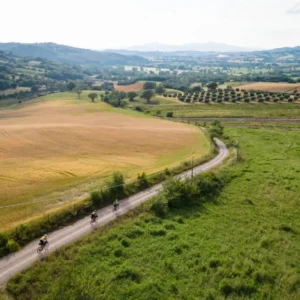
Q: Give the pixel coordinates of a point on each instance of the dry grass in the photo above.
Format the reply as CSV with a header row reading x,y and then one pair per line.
x,y
58,148
131,87
271,86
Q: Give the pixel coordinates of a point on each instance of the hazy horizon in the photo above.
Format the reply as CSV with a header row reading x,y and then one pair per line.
x,y
119,25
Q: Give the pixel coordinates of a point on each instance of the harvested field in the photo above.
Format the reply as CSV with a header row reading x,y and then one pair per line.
x,y
131,87
61,147
271,87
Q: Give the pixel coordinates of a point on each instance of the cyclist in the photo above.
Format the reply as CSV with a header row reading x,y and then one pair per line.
x,y
116,204
43,240
94,215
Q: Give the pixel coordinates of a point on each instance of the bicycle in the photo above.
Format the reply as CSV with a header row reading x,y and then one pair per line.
x,y
42,247
94,220
115,207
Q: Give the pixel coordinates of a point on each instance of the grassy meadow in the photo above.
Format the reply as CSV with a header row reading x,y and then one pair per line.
x,y
263,110
243,245
58,147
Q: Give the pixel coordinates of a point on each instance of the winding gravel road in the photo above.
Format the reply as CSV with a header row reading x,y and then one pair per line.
x,y
14,263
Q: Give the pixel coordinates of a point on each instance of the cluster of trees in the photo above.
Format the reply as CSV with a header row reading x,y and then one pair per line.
x,y
40,76
236,95
150,89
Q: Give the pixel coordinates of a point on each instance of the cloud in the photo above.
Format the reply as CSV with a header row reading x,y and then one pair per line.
x,y
295,9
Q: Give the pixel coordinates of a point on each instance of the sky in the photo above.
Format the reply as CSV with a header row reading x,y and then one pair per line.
x,y
116,24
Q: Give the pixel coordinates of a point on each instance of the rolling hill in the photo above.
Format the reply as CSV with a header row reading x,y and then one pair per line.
x,y
67,54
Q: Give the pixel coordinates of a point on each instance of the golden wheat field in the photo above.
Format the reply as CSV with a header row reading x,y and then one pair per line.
x,y
60,147
271,86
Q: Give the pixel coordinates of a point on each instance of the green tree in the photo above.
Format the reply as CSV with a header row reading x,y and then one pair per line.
x,y
160,89
216,129
147,94
107,86
132,95
92,96
149,85
78,92
116,185
71,86
116,98
34,89
212,85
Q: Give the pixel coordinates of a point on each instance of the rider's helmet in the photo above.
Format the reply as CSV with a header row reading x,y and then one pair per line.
x,y
45,235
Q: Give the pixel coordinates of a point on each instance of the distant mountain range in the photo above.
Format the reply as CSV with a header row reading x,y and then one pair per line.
x,y
72,55
277,53
206,47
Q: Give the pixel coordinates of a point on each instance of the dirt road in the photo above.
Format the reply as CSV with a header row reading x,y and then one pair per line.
x,y
14,263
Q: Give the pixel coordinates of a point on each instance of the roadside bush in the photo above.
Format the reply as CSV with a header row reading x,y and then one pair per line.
x,y
216,129
160,206
116,185
3,242
179,193
143,182
169,114
12,246
209,184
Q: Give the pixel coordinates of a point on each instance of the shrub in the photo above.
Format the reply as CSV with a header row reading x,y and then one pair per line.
x,y
209,184
12,246
226,288
116,185
216,129
3,243
214,263
138,108
118,252
169,114
129,273
158,232
143,182
179,193
160,207
125,243
134,233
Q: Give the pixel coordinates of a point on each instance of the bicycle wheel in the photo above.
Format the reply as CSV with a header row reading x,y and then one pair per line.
x,y
46,247
39,250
